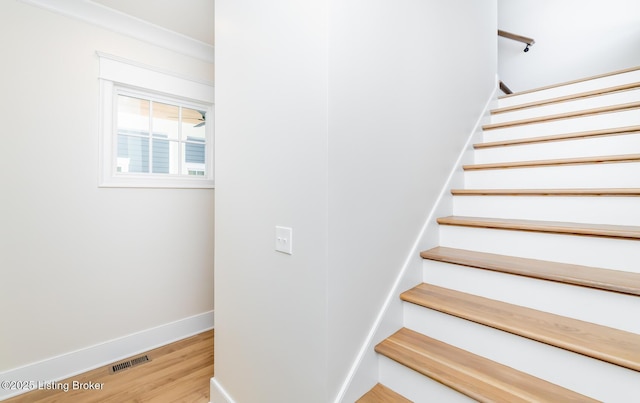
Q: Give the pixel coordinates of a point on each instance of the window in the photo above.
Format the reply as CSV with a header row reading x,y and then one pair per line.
x,y
154,133
158,137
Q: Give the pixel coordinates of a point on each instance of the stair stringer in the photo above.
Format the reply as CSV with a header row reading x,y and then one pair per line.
x,y
364,372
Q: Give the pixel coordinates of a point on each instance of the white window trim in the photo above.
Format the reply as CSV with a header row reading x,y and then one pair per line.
x,y
120,73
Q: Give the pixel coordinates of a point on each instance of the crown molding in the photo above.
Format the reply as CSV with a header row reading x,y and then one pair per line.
x,y
125,24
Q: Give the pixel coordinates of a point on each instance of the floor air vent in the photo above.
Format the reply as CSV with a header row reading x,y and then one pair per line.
x,y
121,366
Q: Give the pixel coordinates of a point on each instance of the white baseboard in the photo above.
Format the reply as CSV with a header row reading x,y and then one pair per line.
x,y
218,394
76,362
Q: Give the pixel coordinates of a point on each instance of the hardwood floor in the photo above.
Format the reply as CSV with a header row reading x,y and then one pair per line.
x,y
177,372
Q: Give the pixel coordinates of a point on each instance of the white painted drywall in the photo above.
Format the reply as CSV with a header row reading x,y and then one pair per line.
x,y
405,93
271,169
574,38
343,121
82,265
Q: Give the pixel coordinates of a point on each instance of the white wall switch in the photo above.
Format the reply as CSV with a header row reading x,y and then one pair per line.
x,y
284,240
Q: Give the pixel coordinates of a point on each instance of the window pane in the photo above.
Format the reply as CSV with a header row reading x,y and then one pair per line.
x,y
193,124
165,156
133,115
193,159
193,132
165,120
133,154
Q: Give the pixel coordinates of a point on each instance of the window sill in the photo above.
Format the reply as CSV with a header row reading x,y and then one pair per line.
x,y
157,183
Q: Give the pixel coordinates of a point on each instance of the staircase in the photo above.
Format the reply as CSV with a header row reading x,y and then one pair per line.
x,y
534,291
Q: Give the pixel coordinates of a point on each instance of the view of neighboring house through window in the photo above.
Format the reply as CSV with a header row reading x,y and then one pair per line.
x,y
155,137
156,127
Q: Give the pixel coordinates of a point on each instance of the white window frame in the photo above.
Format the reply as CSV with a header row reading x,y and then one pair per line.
x,y
120,76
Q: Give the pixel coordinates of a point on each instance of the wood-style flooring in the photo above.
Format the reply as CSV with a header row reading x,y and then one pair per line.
x,y
177,372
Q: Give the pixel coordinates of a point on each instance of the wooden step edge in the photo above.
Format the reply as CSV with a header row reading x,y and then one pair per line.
x,y
560,137
596,341
566,98
584,276
579,80
605,192
604,159
472,375
382,394
562,116
551,227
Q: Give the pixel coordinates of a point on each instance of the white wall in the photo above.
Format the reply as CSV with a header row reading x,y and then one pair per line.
x,y
342,120
405,93
574,39
271,169
83,265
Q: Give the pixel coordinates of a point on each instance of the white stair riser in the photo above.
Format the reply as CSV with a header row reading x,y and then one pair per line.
x,y
590,377
608,175
615,98
582,209
601,121
604,82
605,308
582,147
606,253
415,386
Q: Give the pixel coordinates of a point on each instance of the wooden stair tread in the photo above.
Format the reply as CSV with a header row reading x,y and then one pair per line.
x,y
381,394
548,192
613,73
572,97
560,137
604,159
566,115
597,341
470,374
557,227
604,279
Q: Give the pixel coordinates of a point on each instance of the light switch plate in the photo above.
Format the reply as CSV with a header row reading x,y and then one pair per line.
x,y
284,240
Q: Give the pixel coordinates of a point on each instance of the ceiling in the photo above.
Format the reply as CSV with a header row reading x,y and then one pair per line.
x,y
193,18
